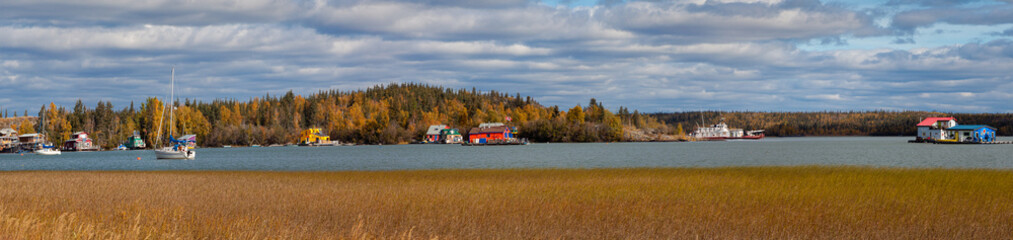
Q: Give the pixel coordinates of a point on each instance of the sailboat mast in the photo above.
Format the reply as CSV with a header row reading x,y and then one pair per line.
x,y
172,97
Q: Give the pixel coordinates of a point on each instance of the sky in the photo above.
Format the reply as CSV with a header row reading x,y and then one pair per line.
x,y
654,56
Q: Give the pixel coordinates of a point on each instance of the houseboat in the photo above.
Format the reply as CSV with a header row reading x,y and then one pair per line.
x,y
442,134
135,142
721,132
973,134
934,128
79,141
433,133
8,140
31,142
451,136
946,130
314,137
493,134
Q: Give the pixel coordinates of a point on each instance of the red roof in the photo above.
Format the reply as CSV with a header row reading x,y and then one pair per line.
x,y
929,121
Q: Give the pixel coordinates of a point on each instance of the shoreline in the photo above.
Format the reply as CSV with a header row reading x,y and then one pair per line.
x,y
729,202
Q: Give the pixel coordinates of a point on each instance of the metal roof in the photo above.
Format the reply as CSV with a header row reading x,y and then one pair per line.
x,y
929,121
499,129
435,129
970,127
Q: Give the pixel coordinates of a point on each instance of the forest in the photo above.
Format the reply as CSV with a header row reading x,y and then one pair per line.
x,y
385,114
400,113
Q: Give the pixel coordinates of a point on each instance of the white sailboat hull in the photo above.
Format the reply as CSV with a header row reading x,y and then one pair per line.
x,y
170,154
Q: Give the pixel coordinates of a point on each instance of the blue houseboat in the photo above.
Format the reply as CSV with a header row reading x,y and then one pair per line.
x,y
972,133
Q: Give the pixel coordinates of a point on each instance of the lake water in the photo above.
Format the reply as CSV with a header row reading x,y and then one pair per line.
x,y
833,151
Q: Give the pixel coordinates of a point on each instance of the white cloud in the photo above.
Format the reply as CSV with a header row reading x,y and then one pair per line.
x,y
645,55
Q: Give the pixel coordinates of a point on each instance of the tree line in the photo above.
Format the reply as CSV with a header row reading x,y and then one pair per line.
x,y
383,114
842,123
401,113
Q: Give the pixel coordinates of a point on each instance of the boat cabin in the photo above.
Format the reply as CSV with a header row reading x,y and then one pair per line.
x,y
972,133
31,141
934,128
135,142
433,133
8,140
313,136
78,141
451,136
189,140
490,134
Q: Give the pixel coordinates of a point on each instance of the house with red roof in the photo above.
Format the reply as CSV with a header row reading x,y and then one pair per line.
x,y
490,134
934,128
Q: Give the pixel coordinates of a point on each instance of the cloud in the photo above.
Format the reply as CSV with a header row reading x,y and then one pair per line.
x,y
158,12
652,56
983,15
733,22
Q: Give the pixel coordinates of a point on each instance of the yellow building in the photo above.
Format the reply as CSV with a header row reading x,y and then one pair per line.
x,y
313,137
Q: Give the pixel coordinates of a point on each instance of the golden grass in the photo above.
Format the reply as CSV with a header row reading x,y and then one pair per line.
x,y
724,203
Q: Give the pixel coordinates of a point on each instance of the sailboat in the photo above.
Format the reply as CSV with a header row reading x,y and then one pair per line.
x,y
179,149
47,149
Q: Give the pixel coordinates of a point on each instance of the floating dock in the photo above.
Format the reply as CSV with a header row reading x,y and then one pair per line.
x,y
955,142
513,141
994,142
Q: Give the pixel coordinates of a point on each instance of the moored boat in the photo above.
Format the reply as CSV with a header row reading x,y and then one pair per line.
x,y
721,132
177,152
180,149
48,151
314,137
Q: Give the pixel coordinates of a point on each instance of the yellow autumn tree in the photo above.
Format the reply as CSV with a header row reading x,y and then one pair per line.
x,y
26,127
151,117
191,121
575,115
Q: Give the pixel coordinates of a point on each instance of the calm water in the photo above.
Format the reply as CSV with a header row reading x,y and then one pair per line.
x,y
852,151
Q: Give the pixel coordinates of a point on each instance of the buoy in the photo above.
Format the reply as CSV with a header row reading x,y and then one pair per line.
x,y
22,154
138,158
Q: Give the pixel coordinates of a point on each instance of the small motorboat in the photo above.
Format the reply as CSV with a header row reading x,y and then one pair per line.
x,y
47,151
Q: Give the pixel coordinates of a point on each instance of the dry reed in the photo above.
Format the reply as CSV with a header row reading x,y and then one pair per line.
x,y
725,203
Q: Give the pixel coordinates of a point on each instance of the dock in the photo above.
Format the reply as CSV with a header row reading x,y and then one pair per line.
x,y
955,142
498,142
993,142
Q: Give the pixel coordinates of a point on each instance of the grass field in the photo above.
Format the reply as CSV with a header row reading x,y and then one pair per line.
x,y
724,203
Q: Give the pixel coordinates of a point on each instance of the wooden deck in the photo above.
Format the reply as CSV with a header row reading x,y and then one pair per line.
x,y
952,142
995,142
